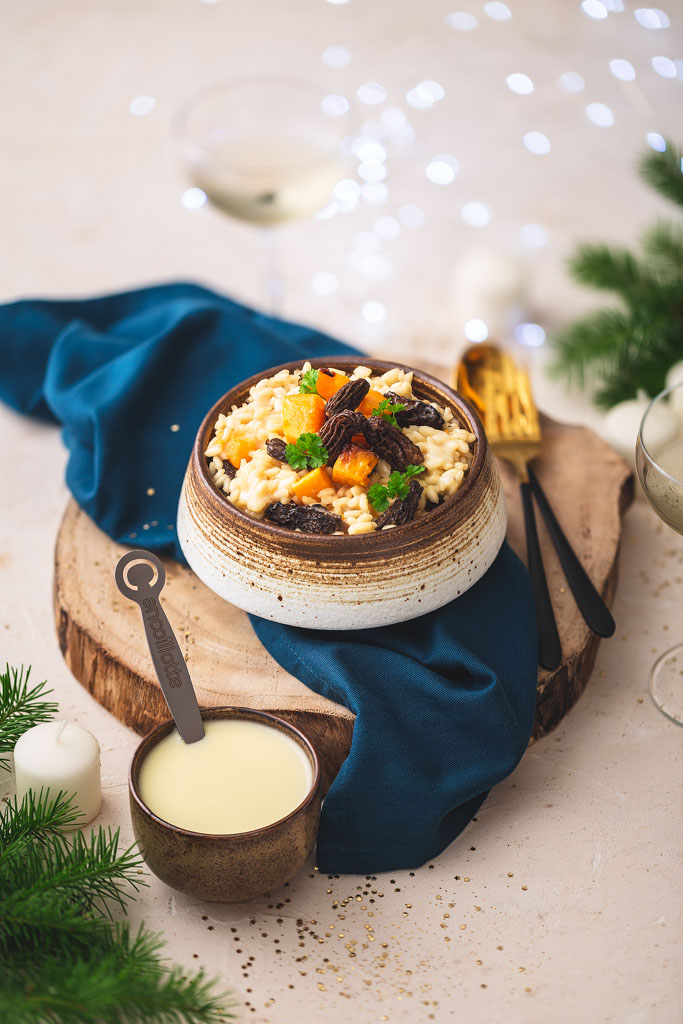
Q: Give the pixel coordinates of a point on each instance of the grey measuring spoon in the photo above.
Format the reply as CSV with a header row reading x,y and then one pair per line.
x,y
134,575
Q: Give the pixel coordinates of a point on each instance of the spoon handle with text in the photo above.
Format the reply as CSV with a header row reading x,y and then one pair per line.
x,y
134,575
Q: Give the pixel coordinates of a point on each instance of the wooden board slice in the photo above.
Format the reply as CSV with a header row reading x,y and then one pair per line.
x,y
101,637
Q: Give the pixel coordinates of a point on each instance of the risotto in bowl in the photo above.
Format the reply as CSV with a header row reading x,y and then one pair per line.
x,y
341,494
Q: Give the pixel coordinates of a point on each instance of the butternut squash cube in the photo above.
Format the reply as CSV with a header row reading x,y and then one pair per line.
x,y
302,414
238,448
330,382
313,483
354,466
370,402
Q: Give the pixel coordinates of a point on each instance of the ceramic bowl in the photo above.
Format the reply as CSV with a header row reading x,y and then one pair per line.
x,y
226,868
344,582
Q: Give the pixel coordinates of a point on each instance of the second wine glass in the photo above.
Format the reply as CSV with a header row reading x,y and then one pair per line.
x,y
265,150
659,463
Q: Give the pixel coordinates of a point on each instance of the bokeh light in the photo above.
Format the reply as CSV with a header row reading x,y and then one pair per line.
x,y
373,311
594,9
347,190
537,142
664,66
600,114
497,11
519,83
324,283
651,17
335,105
463,21
141,105
531,335
656,141
336,57
534,236
371,93
372,172
442,169
193,198
386,227
425,94
572,81
622,69
371,153
375,192
411,216
476,214
476,330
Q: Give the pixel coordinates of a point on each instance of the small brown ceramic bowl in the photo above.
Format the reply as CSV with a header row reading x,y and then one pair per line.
x,y
226,868
344,582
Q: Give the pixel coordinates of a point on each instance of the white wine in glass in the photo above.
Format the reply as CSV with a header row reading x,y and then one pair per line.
x,y
266,182
265,150
660,471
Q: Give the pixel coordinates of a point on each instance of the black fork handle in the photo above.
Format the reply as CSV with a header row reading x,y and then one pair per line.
x,y
594,610
549,647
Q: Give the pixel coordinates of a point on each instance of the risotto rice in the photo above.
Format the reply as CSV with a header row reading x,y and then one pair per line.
x,y
261,480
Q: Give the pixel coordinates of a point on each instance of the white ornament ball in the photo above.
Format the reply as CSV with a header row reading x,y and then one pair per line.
x,y
675,376
489,285
622,423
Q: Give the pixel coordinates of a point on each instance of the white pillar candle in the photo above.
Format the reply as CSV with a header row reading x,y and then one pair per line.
x,y
60,756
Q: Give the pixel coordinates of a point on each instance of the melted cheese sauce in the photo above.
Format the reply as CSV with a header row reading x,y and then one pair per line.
x,y
240,777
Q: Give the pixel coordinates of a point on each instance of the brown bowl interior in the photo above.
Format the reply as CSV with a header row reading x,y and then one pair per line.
x,y
425,387
208,714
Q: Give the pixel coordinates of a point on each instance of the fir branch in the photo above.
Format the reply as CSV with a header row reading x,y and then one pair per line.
x,y
118,979
62,960
34,819
617,351
585,348
88,873
664,172
20,708
613,269
663,245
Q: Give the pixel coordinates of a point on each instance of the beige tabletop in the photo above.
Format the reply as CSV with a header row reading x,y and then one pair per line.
x,y
561,901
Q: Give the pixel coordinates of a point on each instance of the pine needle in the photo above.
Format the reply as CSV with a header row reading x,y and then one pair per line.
x,y
34,819
118,979
618,350
664,172
63,960
20,708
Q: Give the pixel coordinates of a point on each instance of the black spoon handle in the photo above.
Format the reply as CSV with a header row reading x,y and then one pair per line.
x,y
549,647
590,604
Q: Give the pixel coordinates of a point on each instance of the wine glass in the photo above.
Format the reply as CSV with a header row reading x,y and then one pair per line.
x,y
265,150
660,471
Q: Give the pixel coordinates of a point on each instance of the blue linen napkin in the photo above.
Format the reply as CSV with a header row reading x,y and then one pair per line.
x,y
444,703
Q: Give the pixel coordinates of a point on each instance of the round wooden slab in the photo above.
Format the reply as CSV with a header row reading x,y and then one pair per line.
x,y
101,636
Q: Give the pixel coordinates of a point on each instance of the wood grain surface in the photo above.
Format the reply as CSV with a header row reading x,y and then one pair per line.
x,y
101,637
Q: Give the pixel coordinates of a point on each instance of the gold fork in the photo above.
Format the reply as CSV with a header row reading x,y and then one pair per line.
x,y
501,393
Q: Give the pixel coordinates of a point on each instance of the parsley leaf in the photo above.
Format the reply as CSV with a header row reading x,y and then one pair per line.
x,y
307,453
378,496
309,382
397,486
387,411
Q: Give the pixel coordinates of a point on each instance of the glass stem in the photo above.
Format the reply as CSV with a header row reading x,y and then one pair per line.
x,y
273,284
